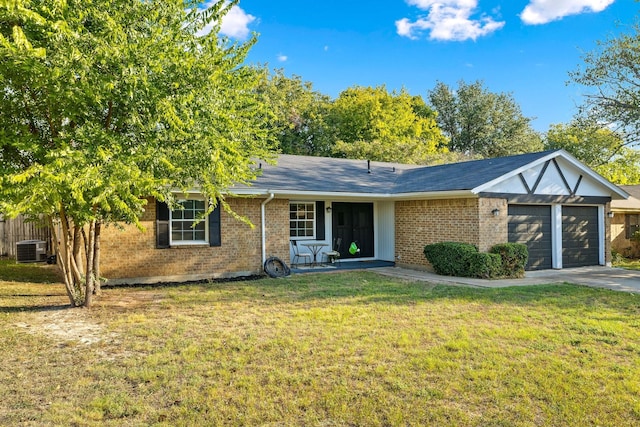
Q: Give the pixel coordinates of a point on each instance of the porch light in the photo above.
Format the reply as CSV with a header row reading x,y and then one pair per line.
x,y
610,214
495,212
328,209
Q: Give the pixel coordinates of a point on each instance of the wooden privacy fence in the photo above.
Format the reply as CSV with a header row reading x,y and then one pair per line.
x,y
17,229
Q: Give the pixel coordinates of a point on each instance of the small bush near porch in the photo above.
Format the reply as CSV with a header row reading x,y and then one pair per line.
x,y
506,260
326,349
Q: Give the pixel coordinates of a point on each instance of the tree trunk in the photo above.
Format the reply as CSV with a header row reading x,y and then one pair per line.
x,y
65,250
89,277
78,254
97,290
60,257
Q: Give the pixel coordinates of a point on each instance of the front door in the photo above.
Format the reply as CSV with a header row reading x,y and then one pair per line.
x,y
353,222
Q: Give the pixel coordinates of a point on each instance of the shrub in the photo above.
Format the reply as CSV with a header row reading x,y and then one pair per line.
x,y
485,265
514,258
450,258
463,260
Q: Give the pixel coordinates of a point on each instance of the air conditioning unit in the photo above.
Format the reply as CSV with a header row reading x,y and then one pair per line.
x,y
31,251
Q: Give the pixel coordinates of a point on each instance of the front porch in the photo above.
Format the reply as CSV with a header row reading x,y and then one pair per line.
x,y
341,266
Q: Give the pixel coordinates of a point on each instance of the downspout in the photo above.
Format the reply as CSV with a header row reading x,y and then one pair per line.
x,y
264,233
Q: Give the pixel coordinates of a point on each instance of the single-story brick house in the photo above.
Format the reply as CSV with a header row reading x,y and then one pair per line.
x,y
625,222
549,201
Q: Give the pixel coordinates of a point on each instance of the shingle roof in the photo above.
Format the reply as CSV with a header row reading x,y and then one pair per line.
x,y
323,174
465,175
632,203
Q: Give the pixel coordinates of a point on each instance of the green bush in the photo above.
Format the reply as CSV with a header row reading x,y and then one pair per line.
x,y
485,266
450,258
514,258
463,260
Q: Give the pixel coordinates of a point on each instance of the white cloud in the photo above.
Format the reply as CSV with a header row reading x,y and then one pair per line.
x,y
447,20
543,11
282,58
235,23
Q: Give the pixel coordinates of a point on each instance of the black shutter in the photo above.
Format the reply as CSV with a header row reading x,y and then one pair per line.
x,y
162,225
320,220
215,236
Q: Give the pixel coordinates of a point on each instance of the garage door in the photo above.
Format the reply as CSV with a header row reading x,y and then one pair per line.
x,y
580,237
531,225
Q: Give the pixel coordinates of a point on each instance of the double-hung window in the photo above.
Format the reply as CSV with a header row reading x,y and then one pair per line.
x,y
176,227
302,220
183,229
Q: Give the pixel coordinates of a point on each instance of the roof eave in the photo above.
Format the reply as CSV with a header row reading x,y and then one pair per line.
x,y
336,195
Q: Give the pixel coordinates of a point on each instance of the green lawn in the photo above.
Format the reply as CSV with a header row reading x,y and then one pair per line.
x,y
628,263
346,349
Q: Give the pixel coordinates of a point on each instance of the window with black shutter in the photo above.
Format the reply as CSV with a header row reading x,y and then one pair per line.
x,y
162,225
181,226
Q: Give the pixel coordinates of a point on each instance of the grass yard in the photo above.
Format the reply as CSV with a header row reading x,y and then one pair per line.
x,y
350,349
628,263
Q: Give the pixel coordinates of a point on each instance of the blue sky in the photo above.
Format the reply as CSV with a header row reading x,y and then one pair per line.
x,y
526,48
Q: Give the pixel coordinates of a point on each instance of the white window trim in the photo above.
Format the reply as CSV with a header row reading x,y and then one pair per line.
x,y
315,217
189,242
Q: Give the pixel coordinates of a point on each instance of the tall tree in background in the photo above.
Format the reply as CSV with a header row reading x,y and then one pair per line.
x,y
104,103
374,124
480,122
613,74
299,114
599,148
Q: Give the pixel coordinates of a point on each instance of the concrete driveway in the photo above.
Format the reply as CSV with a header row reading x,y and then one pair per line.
x,y
616,279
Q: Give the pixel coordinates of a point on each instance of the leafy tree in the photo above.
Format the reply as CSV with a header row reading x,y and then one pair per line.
x,y
613,74
480,122
299,114
375,124
104,103
599,148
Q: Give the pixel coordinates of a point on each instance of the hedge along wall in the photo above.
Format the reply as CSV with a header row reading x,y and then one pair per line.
x,y
423,222
131,255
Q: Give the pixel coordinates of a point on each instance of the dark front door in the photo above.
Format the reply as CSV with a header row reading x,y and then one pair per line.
x,y
353,222
531,225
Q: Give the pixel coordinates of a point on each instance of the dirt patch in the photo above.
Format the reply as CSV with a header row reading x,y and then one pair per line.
x,y
66,325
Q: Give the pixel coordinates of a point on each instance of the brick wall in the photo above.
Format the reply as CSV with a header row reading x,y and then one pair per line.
x,y
422,222
130,255
493,229
619,242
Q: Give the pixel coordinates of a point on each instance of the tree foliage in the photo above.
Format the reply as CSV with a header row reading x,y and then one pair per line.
x,y
481,122
374,124
299,114
612,73
106,103
599,148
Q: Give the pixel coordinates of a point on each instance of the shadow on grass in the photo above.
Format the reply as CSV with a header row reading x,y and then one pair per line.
x,y
349,288
371,288
34,308
11,271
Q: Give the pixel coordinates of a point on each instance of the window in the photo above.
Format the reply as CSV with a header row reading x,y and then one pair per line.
x,y
302,219
632,225
183,229
169,222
